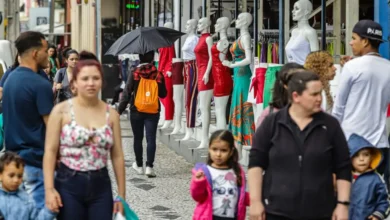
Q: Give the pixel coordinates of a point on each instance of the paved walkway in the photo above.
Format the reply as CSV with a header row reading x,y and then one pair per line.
x,y
164,197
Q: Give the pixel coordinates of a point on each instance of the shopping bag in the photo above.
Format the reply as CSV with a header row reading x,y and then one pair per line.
x,y
129,213
119,216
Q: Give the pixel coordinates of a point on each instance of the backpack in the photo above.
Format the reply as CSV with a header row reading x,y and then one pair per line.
x,y
146,100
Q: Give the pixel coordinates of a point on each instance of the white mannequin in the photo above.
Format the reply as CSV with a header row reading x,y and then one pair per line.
x,y
167,123
178,91
206,96
191,27
221,27
304,38
243,21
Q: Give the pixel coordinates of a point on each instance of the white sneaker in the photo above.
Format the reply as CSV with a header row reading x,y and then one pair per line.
x,y
150,172
139,170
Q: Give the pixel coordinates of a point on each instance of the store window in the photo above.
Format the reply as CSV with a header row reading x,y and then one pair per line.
x,y
163,12
133,17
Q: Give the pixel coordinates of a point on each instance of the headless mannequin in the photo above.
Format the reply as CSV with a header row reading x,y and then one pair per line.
x,y
191,27
167,123
221,27
205,96
304,38
178,91
243,21
258,108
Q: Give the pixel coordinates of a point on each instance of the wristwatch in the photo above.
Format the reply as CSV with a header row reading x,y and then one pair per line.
x,y
343,203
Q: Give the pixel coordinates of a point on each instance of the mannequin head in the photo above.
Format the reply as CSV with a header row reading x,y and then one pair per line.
x,y
168,25
222,24
203,24
302,10
244,20
191,25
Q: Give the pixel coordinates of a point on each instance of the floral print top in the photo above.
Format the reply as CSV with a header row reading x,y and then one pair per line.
x,y
85,149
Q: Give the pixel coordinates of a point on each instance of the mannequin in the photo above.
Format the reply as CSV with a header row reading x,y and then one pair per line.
x,y
223,83
178,90
205,80
165,66
304,38
191,76
241,113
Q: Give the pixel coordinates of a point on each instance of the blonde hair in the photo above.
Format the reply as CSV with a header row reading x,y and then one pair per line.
x,y
318,62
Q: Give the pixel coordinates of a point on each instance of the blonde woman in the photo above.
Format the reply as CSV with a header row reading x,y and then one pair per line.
x,y
321,63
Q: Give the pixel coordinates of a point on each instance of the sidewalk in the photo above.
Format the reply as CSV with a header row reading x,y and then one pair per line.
x,y
164,197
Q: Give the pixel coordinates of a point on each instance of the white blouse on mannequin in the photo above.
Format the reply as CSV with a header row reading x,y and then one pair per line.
x,y
189,47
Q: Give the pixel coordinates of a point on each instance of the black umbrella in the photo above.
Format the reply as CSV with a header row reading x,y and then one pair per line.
x,y
143,40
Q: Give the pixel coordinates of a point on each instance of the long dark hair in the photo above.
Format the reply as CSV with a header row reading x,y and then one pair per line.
x,y
279,92
232,162
55,51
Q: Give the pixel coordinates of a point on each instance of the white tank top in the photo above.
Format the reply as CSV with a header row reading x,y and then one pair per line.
x,y
189,47
297,49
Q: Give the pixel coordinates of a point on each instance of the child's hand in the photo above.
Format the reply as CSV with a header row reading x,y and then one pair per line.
x,y
199,175
371,217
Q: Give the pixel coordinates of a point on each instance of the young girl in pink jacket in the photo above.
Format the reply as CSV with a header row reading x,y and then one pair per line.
x,y
218,187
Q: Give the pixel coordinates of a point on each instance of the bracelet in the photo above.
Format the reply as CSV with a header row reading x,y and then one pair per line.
x,y
346,203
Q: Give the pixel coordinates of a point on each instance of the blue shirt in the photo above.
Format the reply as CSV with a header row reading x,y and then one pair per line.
x,y
7,73
27,97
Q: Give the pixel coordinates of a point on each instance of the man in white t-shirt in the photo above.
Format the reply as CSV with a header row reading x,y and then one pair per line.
x,y
364,89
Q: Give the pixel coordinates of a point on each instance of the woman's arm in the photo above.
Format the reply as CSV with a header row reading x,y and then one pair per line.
x,y
58,63
126,94
117,157
52,143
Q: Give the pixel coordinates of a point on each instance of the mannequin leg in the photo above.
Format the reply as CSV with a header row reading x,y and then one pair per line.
x,y
168,103
189,133
178,91
255,112
205,104
220,111
162,114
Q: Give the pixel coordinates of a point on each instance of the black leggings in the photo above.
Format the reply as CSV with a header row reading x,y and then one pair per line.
x,y
277,217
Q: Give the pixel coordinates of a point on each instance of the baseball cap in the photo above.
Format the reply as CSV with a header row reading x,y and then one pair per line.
x,y
369,29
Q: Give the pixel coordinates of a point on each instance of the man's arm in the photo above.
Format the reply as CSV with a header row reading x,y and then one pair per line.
x,y
45,119
44,100
344,87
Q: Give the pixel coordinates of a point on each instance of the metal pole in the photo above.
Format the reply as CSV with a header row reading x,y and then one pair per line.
x,y
255,25
51,21
191,11
323,25
281,32
158,12
219,8
98,29
180,13
236,4
165,1
204,7
150,13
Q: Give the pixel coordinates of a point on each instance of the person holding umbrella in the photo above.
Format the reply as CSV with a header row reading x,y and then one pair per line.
x,y
144,86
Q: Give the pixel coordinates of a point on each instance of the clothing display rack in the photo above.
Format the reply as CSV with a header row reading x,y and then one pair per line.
x,y
268,46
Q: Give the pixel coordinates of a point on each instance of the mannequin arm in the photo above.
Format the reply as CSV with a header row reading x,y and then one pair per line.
x,y
209,42
311,36
246,44
222,47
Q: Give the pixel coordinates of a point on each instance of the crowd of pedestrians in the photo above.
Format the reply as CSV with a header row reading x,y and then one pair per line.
x,y
314,157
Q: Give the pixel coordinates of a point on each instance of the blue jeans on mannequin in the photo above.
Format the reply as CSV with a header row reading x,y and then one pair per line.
x,y
84,195
139,121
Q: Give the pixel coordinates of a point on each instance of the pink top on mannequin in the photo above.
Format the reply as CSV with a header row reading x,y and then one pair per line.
x,y
202,59
222,75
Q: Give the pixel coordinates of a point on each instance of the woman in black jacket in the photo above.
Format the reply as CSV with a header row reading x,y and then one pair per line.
x,y
140,118
299,148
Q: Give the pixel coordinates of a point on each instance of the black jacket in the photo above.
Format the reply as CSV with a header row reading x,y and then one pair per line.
x,y
147,71
298,181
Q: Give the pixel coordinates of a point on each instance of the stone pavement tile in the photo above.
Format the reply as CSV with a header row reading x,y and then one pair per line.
x,y
164,197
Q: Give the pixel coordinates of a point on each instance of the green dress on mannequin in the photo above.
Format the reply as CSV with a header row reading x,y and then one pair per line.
x,y
241,112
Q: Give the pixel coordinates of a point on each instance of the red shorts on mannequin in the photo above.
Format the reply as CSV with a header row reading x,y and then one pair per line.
x,y
258,84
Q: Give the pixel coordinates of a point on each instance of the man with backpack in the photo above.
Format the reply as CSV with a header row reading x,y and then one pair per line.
x,y
143,89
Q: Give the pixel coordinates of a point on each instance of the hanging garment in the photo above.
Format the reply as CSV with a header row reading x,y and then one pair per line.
x,y
202,60
165,65
270,78
263,58
241,112
258,84
191,90
177,73
275,51
297,49
269,53
223,82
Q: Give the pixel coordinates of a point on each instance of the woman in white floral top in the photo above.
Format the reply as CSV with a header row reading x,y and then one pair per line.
x,y
83,131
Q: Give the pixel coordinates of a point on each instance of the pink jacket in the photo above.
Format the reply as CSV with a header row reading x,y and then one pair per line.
x,y
201,192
